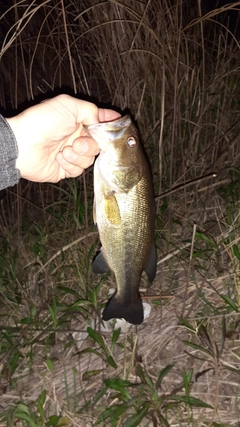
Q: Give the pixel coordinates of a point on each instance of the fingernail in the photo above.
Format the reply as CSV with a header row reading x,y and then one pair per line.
x,y
72,156
83,148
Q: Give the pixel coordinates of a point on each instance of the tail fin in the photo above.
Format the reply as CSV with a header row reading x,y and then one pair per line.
x,y
131,311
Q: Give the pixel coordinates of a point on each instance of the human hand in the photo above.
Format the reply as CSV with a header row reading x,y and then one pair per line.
x,y
52,142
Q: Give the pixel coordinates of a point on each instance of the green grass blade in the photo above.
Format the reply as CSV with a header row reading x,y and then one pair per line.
x,y
162,374
135,420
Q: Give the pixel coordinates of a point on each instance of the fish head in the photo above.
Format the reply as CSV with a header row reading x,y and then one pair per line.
x,y
121,151
119,138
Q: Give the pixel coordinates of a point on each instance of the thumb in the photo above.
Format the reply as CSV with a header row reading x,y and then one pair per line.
x,y
87,113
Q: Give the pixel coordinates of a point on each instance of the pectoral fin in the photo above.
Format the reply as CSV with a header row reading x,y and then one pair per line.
x,y
151,266
111,210
99,264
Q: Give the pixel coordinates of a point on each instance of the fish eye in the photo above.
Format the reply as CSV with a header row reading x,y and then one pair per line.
x,y
131,142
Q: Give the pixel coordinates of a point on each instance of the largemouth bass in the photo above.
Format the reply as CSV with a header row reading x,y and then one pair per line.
x,y
124,211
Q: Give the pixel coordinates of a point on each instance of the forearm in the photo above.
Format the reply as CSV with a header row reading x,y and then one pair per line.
x,y
9,175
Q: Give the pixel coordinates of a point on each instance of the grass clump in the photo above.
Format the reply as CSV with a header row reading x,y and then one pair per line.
x,y
175,66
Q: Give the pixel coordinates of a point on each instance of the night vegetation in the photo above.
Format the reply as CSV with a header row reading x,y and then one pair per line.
x,y
175,65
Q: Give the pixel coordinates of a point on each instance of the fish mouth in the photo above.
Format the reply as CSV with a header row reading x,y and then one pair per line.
x,y
121,122
106,132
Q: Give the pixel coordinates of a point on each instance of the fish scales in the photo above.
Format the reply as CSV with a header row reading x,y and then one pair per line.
x,y
122,245
124,210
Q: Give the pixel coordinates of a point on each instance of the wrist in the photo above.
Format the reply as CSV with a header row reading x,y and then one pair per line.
x,y
13,123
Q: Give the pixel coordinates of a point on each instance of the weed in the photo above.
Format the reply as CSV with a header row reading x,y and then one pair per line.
x,y
175,66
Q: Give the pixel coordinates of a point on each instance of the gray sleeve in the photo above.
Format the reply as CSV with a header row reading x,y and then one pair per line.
x,y
9,175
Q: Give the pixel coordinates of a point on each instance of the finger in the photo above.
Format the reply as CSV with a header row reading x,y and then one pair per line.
x,y
106,115
73,164
85,145
69,170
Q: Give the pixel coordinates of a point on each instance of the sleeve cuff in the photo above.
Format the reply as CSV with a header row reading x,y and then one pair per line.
x,y
9,175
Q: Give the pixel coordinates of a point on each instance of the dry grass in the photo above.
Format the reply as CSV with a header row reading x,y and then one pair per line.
x,y
176,67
